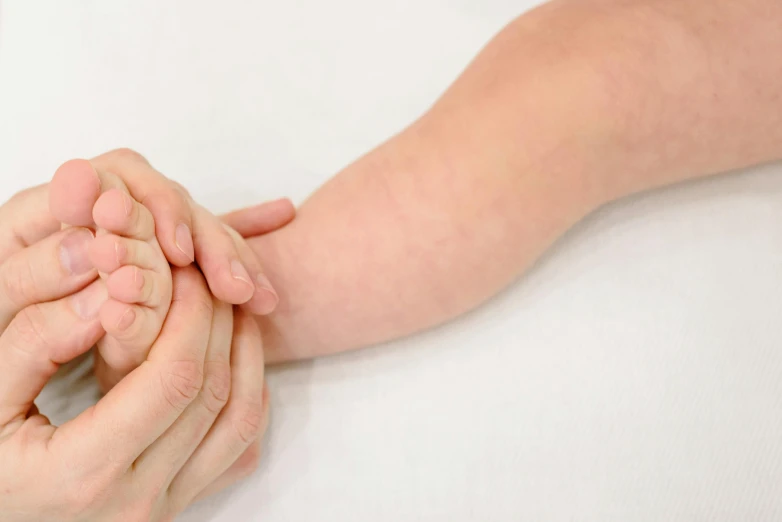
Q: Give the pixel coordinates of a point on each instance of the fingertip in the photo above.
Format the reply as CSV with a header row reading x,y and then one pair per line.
x,y
280,210
232,292
263,302
112,210
172,213
228,281
126,284
286,208
117,317
73,191
234,284
261,219
106,253
176,242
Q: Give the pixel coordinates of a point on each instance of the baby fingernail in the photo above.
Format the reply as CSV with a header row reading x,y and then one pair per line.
x,y
127,318
87,303
270,297
184,241
239,272
73,252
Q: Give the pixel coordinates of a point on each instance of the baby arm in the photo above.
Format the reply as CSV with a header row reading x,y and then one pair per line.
x,y
574,104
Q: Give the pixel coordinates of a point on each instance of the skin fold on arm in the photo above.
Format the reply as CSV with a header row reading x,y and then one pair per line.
x,y
573,105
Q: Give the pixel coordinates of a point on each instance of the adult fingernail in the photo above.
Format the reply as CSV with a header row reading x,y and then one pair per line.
x,y
265,284
184,241
267,294
239,272
73,252
87,303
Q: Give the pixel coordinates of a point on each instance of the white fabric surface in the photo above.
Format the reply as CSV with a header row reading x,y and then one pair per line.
x,y
633,375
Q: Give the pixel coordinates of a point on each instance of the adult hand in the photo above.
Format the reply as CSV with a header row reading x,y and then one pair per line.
x,y
185,230
184,424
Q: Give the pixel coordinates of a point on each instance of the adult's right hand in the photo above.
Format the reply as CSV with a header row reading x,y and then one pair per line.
x,y
183,424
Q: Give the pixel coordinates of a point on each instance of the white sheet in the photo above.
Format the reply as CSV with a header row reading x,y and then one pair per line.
x,y
632,376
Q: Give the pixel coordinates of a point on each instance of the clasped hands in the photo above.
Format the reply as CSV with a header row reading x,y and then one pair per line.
x,y
113,255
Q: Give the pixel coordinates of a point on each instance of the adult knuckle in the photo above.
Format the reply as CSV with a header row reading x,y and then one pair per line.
x,y
167,201
182,382
248,421
18,282
82,496
202,308
217,386
173,194
34,429
29,333
199,304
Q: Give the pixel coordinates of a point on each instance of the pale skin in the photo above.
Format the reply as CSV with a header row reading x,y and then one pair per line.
x,y
185,417
183,425
573,105
127,252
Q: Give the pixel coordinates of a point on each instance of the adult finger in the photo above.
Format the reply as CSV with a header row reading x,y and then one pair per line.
x,y
242,421
265,298
245,465
150,399
185,230
25,220
183,227
261,219
228,278
166,200
50,269
160,463
38,340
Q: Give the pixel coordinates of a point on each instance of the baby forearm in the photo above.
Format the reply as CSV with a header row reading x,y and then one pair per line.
x,y
415,233
382,251
686,88
572,105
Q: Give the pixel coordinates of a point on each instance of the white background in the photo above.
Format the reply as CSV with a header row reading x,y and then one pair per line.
x,y
633,375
